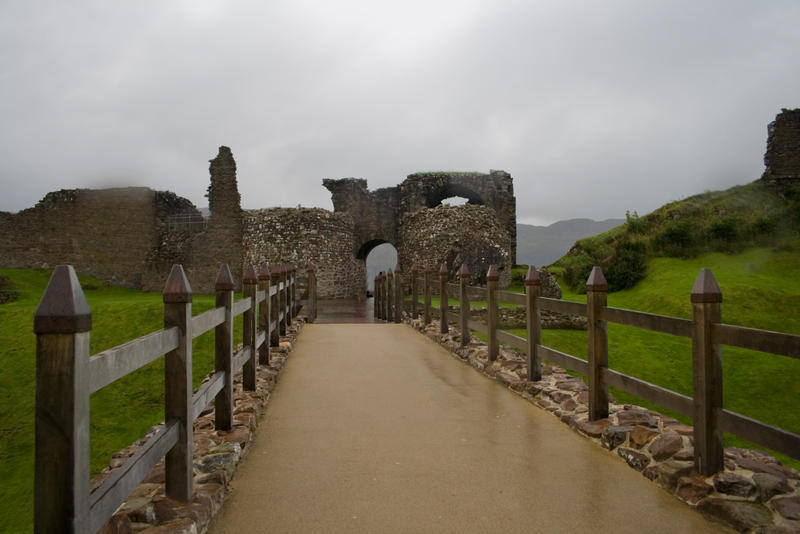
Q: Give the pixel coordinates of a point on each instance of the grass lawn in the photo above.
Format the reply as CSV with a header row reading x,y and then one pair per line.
x,y
120,413
760,289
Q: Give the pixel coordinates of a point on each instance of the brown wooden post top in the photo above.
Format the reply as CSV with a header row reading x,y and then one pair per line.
x,y
533,290
706,288
177,288
706,298
224,280
61,477
532,277
492,278
597,334
63,308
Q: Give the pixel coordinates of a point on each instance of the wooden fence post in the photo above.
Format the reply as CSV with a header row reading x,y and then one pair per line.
x,y
464,279
492,278
294,293
223,350
443,303
427,290
61,481
178,385
282,298
249,288
533,290
706,300
263,313
596,298
274,307
312,294
389,296
414,293
376,297
398,295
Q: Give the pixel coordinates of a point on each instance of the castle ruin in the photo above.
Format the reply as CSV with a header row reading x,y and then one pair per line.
x,y
133,236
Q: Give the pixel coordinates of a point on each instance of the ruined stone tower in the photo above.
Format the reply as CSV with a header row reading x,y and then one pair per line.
x,y
782,159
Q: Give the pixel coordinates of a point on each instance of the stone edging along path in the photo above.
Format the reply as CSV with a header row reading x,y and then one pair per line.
x,y
216,455
755,493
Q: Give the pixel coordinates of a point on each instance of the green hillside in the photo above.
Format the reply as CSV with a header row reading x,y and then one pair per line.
x,y
727,221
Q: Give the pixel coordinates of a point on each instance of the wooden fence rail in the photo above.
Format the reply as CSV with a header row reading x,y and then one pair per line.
x,y
66,375
705,329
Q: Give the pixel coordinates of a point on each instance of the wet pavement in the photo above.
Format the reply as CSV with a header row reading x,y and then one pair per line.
x,y
345,311
375,428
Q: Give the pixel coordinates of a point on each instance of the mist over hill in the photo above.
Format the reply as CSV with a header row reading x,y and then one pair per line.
x,y
542,245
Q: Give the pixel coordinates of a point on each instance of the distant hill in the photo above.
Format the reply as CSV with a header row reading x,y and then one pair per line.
x,y
542,245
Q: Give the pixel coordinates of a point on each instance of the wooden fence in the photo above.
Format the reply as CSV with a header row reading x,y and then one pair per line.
x,y
705,329
66,375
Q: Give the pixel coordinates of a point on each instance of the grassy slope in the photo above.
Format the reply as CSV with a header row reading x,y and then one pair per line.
x,y
120,413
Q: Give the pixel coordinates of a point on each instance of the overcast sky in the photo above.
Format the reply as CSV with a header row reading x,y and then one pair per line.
x,y
594,107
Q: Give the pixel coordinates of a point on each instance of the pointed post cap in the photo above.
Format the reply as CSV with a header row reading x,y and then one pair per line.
x,y
276,269
63,308
310,268
492,275
397,269
428,270
249,276
596,281
263,272
463,272
389,273
532,277
705,288
443,269
224,279
177,288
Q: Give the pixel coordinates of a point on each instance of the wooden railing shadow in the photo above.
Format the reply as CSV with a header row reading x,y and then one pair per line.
x,y
705,329
66,376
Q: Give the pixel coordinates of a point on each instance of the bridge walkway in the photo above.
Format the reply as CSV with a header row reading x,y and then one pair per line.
x,y
374,428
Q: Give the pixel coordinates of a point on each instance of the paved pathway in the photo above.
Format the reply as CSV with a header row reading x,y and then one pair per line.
x,y
374,428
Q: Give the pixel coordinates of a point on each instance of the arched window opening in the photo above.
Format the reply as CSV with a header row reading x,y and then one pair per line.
x,y
455,201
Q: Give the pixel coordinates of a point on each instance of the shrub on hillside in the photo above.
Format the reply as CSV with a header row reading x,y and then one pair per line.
x,y
627,266
634,223
725,229
576,271
677,239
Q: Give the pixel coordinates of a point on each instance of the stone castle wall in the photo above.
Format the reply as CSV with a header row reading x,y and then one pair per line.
x,y
107,233
457,235
308,236
782,159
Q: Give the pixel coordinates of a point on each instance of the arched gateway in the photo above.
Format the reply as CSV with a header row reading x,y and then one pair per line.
x,y
379,215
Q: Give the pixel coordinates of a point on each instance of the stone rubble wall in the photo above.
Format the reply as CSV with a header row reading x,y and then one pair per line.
x,y
308,236
107,233
782,159
217,454
457,235
754,493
